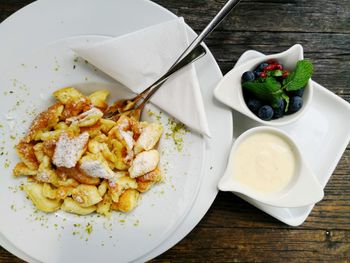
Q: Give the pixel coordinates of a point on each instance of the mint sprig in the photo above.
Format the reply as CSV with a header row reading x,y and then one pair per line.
x,y
299,77
266,91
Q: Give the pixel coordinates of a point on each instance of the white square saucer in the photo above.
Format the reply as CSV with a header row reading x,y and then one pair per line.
x,y
322,135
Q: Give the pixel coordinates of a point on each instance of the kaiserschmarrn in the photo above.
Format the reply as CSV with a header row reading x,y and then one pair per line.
x,y
80,162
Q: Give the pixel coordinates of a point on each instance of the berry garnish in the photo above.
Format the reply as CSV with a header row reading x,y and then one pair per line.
x,y
248,76
265,113
271,92
257,73
263,75
271,67
285,74
254,105
295,104
299,92
262,66
279,109
279,66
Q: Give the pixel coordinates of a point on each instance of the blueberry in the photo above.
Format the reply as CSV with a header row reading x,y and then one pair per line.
x,y
262,66
299,92
248,76
279,109
265,113
257,73
254,105
295,104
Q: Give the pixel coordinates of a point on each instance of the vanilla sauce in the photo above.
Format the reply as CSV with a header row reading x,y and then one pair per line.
x,y
264,162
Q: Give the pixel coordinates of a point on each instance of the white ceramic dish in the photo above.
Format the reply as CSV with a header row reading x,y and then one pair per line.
x,y
229,90
303,188
154,219
322,135
47,57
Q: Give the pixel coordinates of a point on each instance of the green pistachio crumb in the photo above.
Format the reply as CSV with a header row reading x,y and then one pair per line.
x,y
88,228
177,131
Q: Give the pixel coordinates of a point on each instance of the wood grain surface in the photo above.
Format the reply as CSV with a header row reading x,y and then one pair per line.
x,y
233,230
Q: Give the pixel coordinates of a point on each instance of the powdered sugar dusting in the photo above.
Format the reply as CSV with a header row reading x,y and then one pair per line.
x,y
127,136
86,114
95,168
130,142
143,163
69,150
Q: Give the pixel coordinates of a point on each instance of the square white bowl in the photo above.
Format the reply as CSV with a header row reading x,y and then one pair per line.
x,y
322,135
229,90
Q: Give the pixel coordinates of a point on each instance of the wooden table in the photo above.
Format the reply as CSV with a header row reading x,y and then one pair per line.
x,y
233,230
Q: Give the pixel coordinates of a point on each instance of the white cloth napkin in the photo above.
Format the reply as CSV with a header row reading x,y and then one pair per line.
x,y
139,58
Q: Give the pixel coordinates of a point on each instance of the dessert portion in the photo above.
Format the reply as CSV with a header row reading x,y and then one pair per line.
x,y
270,91
80,162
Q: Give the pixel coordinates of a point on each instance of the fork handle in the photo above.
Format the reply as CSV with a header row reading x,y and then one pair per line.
x,y
190,51
225,10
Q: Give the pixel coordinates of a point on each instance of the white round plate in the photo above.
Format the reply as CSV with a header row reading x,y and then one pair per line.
x,y
36,40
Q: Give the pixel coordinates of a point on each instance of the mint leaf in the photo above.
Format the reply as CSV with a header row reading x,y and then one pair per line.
x,y
268,91
275,73
278,73
299,77
273,84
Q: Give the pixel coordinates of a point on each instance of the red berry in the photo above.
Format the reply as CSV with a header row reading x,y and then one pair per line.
x,y
263,75
279,66
270,67
285,74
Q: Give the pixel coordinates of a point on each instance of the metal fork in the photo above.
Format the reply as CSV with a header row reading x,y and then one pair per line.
x,y
192,53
